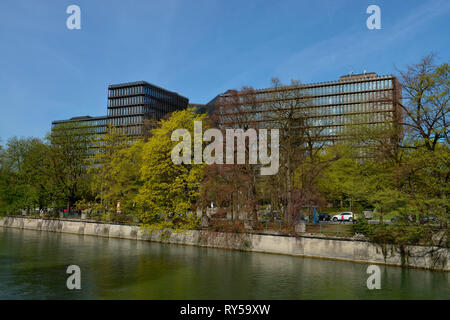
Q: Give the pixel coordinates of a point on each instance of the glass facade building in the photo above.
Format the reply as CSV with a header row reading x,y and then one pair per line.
x,y
130,104
96,124
328,107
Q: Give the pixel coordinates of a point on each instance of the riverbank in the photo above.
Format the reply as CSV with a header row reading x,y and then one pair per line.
x,y
334,248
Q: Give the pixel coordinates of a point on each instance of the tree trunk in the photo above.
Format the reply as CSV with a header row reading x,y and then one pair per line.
x,y
289,192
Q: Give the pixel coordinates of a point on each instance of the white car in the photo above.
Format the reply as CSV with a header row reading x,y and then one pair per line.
x,y
343,216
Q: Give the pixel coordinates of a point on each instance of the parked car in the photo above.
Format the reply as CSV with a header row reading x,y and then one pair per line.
x,y
324,216
343,216
430,218
275,215
395,219
409,218
367,214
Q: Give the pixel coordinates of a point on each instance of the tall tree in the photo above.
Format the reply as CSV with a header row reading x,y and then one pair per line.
x,y
239,110
71,146
302,144
169,191
23,174
426,104
115,172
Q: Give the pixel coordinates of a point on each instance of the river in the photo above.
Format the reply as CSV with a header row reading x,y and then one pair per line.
x,y
33,266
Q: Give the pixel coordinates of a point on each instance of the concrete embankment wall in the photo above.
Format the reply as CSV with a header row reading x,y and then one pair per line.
x,y
304,246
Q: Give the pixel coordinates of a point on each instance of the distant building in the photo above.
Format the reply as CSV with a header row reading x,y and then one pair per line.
x,y
97,124
205,108
328,107
130,105
199,108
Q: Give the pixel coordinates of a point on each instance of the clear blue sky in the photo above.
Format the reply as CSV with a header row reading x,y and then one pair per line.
x,y
198,48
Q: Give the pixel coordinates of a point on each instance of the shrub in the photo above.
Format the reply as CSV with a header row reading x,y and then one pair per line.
x,y
363,227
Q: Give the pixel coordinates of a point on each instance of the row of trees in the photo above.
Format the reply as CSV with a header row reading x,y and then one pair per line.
x,y
74,168
37,174
399,167
396,173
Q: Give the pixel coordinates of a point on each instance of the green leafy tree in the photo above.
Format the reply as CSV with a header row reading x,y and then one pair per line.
x,y
70,147
115,173
23,172
169,191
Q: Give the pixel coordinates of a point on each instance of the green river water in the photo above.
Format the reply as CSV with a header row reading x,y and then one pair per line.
x,y
33,266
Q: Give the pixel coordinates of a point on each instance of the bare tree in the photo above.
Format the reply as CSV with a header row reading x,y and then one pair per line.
x,y
237,110
286,111
426,101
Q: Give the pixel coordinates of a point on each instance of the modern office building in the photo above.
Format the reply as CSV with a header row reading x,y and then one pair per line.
x,y
327,109
97,124
130,105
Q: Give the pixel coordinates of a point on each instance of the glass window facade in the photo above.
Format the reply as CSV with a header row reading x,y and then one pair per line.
x,y
330,106
130,104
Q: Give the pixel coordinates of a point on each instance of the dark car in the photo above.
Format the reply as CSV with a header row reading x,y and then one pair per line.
x,y
324,216
429,219
274,215
395,219
408,218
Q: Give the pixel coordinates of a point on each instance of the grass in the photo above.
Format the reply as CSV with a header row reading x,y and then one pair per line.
x,y
338,229
342,230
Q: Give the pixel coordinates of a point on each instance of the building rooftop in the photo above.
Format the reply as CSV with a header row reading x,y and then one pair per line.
x,y
359,76
342,80
141,83
82,118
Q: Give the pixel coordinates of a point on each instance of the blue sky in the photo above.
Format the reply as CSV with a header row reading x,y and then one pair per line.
x,y
198,48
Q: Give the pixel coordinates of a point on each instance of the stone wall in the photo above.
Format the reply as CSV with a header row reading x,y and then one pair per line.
x,y
303,246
